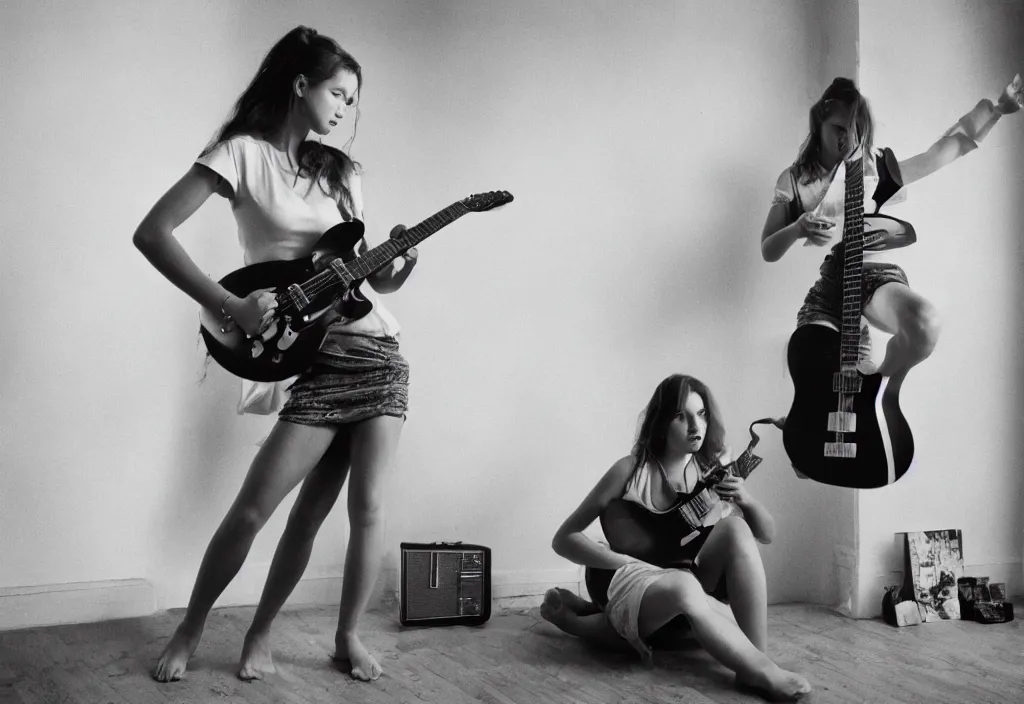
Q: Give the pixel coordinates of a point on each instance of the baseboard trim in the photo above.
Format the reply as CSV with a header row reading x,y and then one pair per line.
x,y
525,589
75,602
85,602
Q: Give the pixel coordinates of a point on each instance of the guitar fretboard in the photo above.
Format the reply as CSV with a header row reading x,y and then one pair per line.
x,y
380,256
853,264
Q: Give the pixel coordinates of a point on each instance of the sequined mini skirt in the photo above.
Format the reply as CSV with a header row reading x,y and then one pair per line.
x,y
354,377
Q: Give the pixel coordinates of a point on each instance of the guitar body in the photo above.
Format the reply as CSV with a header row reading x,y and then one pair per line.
x,y
884,443
308,288
295,338
654,538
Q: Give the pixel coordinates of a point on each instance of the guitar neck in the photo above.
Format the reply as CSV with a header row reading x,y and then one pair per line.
x,y
383,254
853,264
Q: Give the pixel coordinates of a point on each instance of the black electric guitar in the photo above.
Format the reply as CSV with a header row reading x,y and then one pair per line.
x,y
846,428
660,538
307,288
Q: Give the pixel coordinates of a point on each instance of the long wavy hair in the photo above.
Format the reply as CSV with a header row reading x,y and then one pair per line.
x,y
263,107
841,93
667,401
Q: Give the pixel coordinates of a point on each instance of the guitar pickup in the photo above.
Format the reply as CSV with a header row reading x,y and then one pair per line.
x,y
842,422
299,296
844,450
339,268
844,383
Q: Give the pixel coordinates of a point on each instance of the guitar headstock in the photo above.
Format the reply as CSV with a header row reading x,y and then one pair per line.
x,y
482,202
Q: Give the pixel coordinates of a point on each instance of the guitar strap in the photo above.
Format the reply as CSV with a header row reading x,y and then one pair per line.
x,y
748,461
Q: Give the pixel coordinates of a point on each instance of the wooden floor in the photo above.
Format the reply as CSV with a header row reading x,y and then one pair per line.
x,y
516,658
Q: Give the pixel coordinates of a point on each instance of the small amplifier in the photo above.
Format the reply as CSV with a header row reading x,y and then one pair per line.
x,y
445,584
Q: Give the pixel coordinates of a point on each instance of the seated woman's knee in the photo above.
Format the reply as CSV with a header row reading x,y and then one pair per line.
x,y
736,531
684,591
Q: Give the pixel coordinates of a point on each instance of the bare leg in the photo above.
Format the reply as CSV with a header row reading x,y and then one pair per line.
x,y
374,443
316,498
913,323
680,592
578,617
731,551
289,454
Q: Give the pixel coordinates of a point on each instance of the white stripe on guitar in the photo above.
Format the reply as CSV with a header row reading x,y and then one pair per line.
x,y
883,428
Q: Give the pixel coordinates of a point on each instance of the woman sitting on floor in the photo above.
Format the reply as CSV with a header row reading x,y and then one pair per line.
x,y
670,477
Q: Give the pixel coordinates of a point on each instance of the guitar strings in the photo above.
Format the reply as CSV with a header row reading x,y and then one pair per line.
x,y
390,249
853,236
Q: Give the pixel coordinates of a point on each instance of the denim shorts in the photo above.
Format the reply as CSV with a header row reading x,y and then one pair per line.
x,y
354,377
824,301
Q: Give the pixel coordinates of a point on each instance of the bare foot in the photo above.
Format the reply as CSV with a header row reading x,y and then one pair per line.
x,y
554,609
776,684
256,657
577,604
171,665
1012,97
352,657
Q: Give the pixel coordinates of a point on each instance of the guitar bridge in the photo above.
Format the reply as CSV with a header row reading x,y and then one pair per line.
x,y
842,422
844,450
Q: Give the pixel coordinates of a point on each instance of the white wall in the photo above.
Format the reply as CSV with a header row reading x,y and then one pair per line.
x,y
835,39
641,144
965,403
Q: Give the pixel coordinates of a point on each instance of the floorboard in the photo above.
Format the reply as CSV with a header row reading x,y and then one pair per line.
x,y
516,658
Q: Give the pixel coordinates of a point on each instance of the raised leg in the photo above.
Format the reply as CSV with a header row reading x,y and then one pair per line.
x,y
374,443
913,323
316,498
286,458
731,552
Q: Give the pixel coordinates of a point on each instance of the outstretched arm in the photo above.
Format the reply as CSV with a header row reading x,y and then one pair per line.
x,y
965,135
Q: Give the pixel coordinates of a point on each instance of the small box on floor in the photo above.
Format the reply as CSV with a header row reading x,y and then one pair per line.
x,y
984,602
445,584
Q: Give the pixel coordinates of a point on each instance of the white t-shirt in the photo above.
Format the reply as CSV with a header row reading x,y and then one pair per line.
x,y
824,195
281,215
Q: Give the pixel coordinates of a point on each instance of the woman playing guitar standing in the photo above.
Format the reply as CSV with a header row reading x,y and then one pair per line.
x,y
682,533
345,413
808,203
